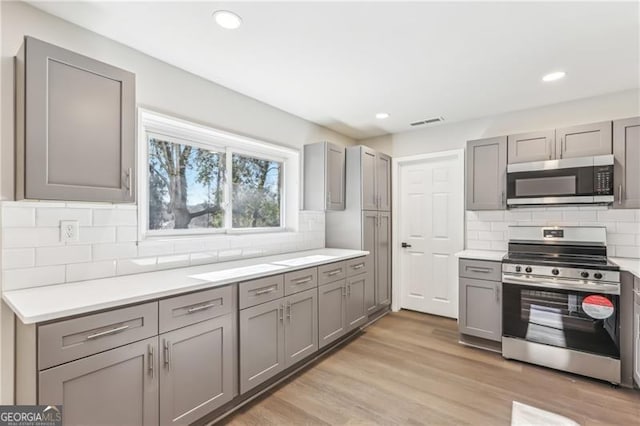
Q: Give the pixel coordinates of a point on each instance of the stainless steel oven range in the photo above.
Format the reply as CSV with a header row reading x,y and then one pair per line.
x,y
561,301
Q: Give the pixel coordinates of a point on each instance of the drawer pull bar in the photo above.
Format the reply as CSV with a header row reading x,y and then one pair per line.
x,y
358,266
202,308
108,332
265,291
167,354
151,360
482,270
334,272
303,280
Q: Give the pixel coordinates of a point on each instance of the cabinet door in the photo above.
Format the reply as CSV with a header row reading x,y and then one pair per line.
x,y
636,338
383,260
369,229
383,182
301,326
332,322
480,312
116,387
584,140
196,375
356,300
335,176
261,343
533,146
368,162
79,125
487,174
626,173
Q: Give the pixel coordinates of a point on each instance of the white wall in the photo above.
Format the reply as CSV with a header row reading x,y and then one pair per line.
x,y
454,135
160,87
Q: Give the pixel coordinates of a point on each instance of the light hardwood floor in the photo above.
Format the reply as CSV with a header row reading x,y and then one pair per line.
x,y
409,369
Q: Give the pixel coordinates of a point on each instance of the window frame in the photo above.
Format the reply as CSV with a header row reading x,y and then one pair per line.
x,y
176,130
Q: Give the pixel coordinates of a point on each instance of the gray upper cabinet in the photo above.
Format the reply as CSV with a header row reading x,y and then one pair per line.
x,y
75,127
487,174
383,182
626,172
332,321
115,387
531,146
324,176
196,375
262,347
368,178
301,326
383,260
584,140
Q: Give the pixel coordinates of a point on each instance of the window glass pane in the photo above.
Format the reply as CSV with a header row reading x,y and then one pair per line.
x,y
186,186
256,194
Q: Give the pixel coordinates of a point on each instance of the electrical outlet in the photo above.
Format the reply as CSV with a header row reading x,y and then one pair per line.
x,y
69,231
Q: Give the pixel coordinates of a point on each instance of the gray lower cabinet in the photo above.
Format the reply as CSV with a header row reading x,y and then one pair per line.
x,y
480,312
531,146
262,350
301,326
324,176
584,140
332,312
487,174
626,173
196,373
357,300
75,127
636,332
383,260
118,386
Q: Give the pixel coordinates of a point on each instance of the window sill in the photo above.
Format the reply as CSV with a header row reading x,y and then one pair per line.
x,y
214,234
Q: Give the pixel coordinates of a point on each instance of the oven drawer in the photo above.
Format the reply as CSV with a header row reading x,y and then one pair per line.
x,y
481,269
65,341
262,290
188,309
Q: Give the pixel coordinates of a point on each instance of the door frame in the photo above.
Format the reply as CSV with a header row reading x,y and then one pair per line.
x,y
397,162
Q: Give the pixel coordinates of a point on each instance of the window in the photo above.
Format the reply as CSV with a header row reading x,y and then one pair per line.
x,y
197,180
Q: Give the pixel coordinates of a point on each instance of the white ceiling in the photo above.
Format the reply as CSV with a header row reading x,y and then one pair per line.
x,y
338,63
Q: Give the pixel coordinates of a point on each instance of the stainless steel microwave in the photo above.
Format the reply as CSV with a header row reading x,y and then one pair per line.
x,y
583,180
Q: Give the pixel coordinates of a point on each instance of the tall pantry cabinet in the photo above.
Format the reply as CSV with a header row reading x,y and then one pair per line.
x,y
365,223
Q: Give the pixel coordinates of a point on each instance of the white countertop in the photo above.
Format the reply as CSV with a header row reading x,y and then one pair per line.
x,y
482,254
61,300
627,264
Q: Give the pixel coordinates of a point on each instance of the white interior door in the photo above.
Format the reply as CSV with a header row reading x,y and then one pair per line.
x,y
431,222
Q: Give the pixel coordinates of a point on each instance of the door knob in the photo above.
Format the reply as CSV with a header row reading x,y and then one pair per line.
x,y
405,245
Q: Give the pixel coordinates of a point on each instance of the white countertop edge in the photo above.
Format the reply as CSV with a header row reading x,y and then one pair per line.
x,y
627,264
18,300
494,255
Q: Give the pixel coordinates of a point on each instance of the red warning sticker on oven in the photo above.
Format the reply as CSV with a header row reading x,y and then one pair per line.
x,y
598,307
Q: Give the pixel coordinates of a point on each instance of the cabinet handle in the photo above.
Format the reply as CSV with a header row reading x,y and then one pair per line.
x,y
201,308
167,354
108,332
620,194
358,266
561,147
497,291
348,289
550,147
127,177
328,198
344,291
268,290
281,312
289,316
334,272
150,360
502,197
479,269
303,280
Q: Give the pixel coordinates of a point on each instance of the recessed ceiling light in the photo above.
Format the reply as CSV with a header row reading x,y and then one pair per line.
x,y
554,76
227,19
382,115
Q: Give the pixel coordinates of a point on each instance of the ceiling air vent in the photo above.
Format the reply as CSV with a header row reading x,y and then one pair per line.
x,y
428,121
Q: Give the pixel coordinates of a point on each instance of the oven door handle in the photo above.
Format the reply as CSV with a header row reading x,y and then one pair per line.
x,y
563,285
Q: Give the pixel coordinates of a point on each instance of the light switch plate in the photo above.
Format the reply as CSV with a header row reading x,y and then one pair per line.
x,y
69,231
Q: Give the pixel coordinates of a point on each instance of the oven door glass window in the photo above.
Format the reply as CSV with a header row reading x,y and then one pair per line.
x,y
557,318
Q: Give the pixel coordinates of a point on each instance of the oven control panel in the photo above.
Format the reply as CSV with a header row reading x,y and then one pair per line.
x,y
603,180
593,275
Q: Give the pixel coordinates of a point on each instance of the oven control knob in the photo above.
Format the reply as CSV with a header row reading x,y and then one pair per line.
x,y
597,275
555,271
528,270
518,268
584,274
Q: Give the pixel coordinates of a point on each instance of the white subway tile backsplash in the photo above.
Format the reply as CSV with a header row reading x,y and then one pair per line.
x,y
126,233
115,217
479,226
53,216
30,237
62,255
225,255
13,217
621,239
154,248
579,216
621,215
136,266
14,279
499,245
203,258
491,236
517,216
173,261
479,245
628,228
491,215
628,251
114,251
18,258
90,270
93,235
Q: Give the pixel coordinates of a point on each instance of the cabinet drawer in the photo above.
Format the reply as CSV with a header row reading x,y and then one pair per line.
x,y
191,308
331,272
297,281
65,341
359,265
481,269
261,290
